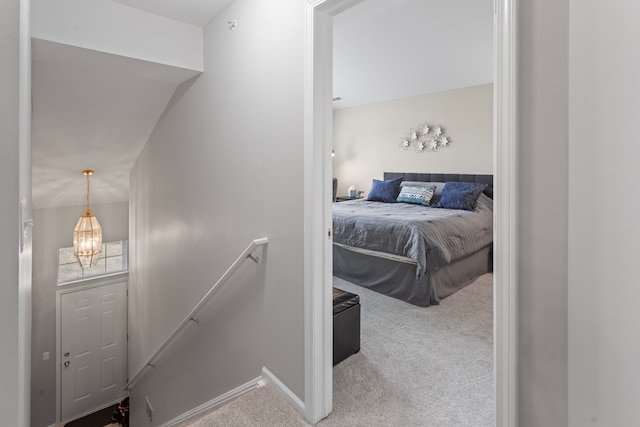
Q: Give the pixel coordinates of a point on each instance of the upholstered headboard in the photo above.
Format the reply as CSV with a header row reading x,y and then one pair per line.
x,y
444,177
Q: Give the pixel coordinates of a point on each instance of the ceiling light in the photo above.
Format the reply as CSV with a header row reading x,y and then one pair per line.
x,y
87,236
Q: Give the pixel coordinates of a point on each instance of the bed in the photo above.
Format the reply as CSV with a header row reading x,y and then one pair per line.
x,y
412,252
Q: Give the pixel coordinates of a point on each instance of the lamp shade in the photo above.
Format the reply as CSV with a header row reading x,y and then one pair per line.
x,y
87,240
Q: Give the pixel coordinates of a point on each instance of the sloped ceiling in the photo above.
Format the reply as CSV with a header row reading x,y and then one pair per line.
x,y
91,110
96,111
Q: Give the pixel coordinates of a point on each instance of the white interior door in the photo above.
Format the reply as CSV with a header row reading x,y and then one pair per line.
x,y
93,347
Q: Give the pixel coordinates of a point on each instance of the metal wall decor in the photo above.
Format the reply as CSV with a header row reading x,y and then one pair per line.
x,y
425,138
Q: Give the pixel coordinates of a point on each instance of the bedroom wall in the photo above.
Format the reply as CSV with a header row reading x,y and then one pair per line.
x,y
221,168
9,300
366,138
604,209
52,230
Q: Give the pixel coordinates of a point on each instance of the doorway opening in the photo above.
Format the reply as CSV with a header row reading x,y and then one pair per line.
x,y
318,87
392,73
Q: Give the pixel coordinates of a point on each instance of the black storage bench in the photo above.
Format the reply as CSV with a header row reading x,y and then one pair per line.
x,y
346,325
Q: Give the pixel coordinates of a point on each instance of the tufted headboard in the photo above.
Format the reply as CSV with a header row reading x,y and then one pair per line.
x,y
444,177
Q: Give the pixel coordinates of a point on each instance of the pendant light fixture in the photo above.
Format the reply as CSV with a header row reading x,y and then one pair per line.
x,y
87,236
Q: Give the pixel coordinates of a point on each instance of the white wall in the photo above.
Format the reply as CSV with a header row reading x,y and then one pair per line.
x,y
112,27
52,230
542,211
604,212
9,83
223,167
366,138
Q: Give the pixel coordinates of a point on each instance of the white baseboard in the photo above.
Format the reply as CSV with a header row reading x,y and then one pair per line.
x,y
215,403
218,402
284,391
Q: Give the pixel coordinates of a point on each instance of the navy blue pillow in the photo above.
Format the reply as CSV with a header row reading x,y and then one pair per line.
x,y
460,195
385,191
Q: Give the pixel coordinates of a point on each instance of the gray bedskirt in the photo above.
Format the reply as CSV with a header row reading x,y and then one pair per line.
x,y
397,279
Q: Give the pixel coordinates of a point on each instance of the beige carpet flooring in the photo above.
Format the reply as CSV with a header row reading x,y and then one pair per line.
x,y
417,366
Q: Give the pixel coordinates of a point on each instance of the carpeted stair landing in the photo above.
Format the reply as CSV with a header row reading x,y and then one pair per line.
x,y
422,367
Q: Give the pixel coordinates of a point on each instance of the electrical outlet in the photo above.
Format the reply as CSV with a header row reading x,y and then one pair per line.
x,y
45,355
149,408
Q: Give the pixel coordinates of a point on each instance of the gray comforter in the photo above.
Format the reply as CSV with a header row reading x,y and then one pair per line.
x,y
431,237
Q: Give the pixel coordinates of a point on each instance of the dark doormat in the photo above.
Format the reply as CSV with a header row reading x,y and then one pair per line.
x,y
97,419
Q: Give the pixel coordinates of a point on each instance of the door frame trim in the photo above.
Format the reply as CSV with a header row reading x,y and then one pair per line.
x,y
68,289
25,229
505,261
318,333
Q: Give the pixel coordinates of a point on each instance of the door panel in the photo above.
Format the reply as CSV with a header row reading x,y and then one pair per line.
x,y
93,349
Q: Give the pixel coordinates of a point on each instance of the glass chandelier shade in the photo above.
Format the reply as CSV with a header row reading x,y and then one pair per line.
x,y
87,236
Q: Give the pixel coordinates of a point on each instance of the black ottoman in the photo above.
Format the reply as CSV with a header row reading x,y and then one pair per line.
x,y
346,325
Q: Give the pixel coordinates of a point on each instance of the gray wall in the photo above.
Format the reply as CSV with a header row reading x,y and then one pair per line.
x,y
223,167
543,211
53,229
9,51
604,209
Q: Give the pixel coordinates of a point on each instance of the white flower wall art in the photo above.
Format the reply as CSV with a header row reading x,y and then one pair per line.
x,y
425,137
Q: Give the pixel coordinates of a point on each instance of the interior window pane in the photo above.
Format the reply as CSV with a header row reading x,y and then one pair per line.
x,y
113,249
112,259
116,263
95,270
68,272
65,256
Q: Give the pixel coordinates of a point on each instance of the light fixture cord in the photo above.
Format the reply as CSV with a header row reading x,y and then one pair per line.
x,y
88,212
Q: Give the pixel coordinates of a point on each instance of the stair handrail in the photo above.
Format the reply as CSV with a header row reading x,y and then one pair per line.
x,y
247,254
